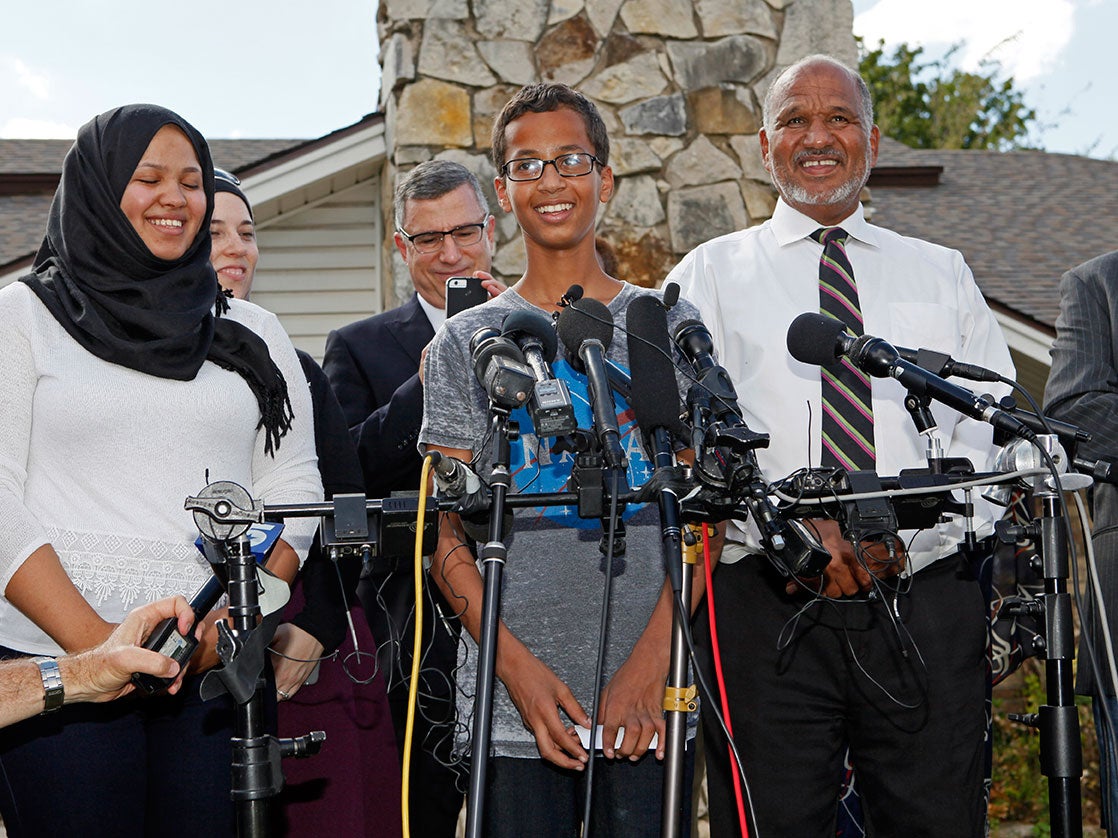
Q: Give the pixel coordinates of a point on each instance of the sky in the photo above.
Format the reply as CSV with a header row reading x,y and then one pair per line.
x,y
233,68
1055,50
280,68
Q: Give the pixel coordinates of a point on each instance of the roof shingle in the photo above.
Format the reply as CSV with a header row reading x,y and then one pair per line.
x,y
1020,218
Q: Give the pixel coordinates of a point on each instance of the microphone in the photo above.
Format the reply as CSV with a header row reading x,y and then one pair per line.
x,y
655,403
671,294
573,295
1070,435
945,366
458,482
550,405
655,399
817,339
501,369
716,401
586,329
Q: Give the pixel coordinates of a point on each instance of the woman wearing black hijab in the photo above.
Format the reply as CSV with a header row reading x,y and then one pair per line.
x,y
122,392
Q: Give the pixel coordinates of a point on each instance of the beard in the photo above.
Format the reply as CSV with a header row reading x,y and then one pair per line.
x,y
845,192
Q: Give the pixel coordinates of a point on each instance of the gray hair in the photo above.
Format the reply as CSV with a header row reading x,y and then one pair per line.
x,y
433,179
777,88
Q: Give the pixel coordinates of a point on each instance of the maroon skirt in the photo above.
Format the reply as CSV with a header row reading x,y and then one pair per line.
x,y
352,786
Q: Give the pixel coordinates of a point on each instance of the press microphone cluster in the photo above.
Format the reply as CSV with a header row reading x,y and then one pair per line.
x,y
820,340
655,404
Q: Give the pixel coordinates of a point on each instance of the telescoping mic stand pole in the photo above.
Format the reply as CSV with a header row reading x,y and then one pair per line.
x,y
1061,757
492,556
679,694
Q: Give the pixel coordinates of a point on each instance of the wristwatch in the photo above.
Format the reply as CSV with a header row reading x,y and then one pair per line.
x,y
53,693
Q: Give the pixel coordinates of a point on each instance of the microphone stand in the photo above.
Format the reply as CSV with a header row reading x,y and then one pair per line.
x,y
679,695
493,555
256,773
255,779
1061,757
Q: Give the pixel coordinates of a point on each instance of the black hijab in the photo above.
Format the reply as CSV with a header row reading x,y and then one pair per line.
x,y
124,304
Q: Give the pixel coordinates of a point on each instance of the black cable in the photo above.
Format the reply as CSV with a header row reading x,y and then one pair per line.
x,y
1032,402
603,629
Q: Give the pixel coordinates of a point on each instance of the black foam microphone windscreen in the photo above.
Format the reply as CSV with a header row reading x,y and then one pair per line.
x,y
533,324
815,338
583,320
655,396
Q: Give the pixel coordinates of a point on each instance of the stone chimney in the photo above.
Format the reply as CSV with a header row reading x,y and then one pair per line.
x,y
679,84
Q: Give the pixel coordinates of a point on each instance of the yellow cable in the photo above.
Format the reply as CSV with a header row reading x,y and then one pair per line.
x,y
417,645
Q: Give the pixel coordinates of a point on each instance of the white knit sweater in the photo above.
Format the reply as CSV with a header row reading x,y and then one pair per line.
x,y
97,460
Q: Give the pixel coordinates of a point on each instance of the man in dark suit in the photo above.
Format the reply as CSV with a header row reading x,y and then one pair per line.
x,y
443,229
1082,389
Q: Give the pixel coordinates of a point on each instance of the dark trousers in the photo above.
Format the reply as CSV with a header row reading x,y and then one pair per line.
x,y
533,797
801,690
435,798
157,767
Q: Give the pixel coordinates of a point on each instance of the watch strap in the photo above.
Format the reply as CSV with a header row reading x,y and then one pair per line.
x,y
53,693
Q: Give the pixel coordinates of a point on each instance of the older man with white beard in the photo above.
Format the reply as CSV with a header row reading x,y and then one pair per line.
x,y
885,652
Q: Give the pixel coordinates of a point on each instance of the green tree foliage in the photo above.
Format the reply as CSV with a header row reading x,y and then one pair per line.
x,y
930,104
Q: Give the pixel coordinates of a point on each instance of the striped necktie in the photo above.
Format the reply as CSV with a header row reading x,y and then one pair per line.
x,y
847,407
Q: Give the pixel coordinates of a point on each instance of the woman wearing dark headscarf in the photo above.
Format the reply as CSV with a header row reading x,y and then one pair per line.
x,y
122,392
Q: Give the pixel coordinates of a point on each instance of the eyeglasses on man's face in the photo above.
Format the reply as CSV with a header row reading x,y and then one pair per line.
x,y
464,235
568,165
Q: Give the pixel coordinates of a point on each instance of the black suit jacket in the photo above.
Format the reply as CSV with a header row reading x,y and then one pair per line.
x,y
1083,389
373,365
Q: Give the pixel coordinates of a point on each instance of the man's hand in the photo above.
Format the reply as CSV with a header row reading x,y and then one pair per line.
x,y
634,699
494,286
104,673
539,695
846,574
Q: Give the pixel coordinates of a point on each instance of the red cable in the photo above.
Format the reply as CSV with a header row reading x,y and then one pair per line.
x,y
717,655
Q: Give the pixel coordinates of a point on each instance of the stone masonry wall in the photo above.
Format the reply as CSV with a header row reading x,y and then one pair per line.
x,y
679,84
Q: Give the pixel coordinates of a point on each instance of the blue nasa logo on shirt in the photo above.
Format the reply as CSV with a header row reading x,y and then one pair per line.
x,y
552,472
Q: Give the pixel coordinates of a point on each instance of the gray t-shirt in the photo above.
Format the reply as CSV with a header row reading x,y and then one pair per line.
x,y
553,582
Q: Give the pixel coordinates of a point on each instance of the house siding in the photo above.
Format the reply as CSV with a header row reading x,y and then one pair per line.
x,y
320,265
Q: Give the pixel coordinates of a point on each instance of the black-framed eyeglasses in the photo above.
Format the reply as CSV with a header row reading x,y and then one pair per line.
x,y
576,164
228,177
464,235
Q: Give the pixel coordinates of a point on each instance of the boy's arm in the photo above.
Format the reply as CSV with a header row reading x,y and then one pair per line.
x,y
634,697
535,690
